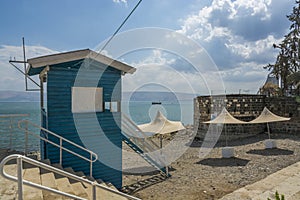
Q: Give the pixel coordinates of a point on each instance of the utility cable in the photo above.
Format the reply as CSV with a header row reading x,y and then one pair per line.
x,y
124,21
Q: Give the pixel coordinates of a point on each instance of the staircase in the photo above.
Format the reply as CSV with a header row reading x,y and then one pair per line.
x,y
140,143
55,178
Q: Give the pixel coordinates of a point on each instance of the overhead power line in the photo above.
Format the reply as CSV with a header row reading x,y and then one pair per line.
x,y
118,29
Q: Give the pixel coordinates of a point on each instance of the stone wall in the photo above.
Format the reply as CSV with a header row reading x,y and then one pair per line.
x,y
246,107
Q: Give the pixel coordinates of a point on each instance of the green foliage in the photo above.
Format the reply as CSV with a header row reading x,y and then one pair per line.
x,y
287,62
278,197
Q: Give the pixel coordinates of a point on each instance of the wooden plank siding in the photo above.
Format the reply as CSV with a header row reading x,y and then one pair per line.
x,y
60,119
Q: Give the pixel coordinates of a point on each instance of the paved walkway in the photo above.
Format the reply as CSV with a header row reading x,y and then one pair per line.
x,y
285,181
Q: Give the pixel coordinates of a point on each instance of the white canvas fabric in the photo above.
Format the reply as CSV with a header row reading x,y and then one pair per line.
x,y
225,118
161,125
267,116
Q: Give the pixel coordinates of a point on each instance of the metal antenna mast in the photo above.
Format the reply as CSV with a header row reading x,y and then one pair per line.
x,y
24,59
14,62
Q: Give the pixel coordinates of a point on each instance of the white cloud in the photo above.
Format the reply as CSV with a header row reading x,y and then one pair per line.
x,y
238,35
161,69
251,50
121,1
11,79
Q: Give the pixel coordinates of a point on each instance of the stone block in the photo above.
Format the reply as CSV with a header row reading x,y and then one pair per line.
x,y
270,144
227,152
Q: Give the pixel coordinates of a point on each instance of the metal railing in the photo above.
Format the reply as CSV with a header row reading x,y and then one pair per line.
x,y
19,178
10,120
144,142
93,156
133,131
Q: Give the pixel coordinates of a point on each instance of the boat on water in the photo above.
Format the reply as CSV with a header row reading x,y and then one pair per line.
x,y
156,103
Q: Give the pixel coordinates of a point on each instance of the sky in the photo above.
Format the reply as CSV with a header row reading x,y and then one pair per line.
x,y
237,35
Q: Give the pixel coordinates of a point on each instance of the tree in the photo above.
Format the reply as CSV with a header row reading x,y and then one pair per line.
x,y
287,61
270,89
294,80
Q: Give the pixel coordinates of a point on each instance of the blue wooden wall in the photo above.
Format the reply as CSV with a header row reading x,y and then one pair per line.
x,y
60,80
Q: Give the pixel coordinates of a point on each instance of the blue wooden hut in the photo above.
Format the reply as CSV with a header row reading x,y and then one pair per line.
x,y
80,100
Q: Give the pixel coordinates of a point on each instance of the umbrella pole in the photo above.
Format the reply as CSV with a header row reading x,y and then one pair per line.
x,y
268,130
225,135
160,136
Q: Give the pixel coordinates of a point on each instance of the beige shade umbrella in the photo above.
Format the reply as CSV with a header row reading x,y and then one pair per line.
x,y
161,125
225,118
267,116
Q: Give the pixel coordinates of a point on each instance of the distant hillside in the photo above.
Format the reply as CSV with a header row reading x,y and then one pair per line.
x,y
17,96
157,96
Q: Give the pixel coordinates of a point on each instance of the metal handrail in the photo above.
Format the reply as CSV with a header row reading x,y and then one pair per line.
x,y
10,118
93,156
127,119
19,178
145,144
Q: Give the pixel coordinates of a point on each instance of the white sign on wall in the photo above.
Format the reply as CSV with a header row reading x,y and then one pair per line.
x,y
87,99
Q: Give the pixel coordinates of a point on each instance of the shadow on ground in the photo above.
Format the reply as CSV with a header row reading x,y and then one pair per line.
x,y
135,187
197,143
223,162
145,170
271,152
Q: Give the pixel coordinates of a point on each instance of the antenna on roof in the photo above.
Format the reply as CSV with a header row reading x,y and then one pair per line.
x,y
24,59
14,62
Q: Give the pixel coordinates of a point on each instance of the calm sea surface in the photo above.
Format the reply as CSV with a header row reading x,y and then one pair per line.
x,y
140,112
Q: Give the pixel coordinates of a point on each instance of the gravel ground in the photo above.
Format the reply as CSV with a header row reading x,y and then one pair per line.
x,y
212,177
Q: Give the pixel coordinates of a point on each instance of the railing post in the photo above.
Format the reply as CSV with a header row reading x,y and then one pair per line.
x,y
26,137
60,151
91,165
20,178
94,194
11,133
167,171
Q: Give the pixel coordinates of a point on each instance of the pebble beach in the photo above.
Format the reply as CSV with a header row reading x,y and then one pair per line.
x,y
212,177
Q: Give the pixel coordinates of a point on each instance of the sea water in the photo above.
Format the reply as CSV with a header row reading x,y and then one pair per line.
x,y
139,112
11,137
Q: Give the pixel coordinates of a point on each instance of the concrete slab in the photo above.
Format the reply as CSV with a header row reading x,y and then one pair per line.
x,y
285,181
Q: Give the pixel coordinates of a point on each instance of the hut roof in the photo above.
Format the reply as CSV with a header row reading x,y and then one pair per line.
x,y
36,65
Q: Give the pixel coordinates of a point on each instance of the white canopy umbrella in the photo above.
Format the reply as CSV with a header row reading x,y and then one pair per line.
x,y
161,125
267,116
225,118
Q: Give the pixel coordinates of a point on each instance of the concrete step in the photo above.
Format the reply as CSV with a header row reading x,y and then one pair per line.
x,y
46,161
103,194
285,181
108,195
79,189
70,170
64,185
296,196
48,179
289,187
33,175
8,189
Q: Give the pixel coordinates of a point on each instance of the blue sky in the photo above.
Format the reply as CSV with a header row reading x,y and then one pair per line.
x,y
237,34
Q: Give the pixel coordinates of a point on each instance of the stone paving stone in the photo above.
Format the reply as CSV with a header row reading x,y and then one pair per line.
x,y
285,181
